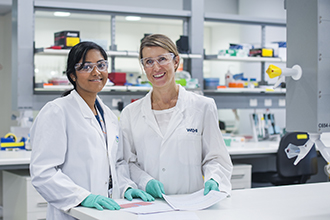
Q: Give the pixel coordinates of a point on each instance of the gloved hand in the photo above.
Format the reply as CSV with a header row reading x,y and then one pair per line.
x,y
155,188
98,201
210,185
137,193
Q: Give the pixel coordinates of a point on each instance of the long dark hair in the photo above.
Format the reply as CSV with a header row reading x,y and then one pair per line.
x,y
77,53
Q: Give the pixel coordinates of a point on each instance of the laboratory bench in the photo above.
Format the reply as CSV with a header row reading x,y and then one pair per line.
x,y
21,159
305,201
14,159
254,149
246,158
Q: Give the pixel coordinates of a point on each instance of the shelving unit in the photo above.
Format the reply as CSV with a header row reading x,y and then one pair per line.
x,y
245,20
28,97
247,98
23,47
244,59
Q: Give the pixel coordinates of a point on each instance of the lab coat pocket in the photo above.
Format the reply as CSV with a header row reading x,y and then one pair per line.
x,y
189,149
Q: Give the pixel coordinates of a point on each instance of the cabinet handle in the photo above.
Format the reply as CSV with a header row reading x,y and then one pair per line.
x,y
41,219
239,176
42,204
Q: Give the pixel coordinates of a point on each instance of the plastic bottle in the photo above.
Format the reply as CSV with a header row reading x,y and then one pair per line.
x,y
28,143
228,78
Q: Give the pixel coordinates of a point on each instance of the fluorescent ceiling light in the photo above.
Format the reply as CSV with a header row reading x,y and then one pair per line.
x,y
61,14
133,18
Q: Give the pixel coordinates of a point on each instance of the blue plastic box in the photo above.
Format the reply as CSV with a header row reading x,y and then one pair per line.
x,y
211,83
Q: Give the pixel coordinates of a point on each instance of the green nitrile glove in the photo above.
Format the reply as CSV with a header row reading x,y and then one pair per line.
x,y
137,193
98,201
155,188
210,185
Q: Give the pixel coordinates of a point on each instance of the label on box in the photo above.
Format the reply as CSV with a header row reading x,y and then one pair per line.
x,y
72,41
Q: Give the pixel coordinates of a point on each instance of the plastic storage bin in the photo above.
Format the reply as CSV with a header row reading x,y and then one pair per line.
x,y
211,83
118,78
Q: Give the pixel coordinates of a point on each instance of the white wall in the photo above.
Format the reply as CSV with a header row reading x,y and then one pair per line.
x,y
218,35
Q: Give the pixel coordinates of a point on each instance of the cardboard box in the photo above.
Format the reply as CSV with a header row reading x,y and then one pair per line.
x,y
261,52
66,39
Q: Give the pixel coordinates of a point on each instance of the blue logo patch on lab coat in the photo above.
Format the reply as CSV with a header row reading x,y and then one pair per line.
x,y
117,139
192,130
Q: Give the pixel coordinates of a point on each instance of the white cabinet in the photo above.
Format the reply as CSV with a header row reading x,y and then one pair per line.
x,y
20,199
241,177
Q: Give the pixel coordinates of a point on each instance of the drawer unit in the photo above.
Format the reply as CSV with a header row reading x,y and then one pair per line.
x,y
241,177
20,199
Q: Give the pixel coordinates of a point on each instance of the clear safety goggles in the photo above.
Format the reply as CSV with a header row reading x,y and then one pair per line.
x,y
162,60
88,67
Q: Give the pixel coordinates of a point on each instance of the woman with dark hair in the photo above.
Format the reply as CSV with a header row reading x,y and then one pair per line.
x,y
77,154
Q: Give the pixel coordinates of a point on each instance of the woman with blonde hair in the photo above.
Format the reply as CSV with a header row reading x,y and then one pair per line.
x,y
171,137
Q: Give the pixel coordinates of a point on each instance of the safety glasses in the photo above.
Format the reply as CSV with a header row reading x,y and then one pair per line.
x,y
88,67
162,60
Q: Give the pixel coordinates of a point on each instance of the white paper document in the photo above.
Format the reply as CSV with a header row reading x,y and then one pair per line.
x,y
139,207
187,202
195,201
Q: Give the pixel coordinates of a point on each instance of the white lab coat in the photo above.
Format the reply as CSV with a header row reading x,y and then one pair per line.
x,y
69,155
191,148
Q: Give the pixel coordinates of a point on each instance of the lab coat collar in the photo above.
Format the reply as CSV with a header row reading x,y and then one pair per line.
x,y
84,108
88,114
148,114
177,116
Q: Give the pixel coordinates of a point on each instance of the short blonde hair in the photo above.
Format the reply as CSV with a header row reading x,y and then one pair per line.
x,y
159,40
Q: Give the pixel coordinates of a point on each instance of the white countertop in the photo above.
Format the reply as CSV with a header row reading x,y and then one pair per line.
x,y
21,157
295,202
262,147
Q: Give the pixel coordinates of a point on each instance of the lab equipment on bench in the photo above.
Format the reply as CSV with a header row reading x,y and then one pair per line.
x,y
9,142
263,126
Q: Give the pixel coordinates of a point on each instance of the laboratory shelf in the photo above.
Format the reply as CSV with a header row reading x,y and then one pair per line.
x,y
65,52
111,53
110,96
62,88
246,20
238,98
266,89
229,98
107,9
244,59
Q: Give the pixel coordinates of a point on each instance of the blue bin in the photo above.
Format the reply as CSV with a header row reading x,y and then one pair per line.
x,y
211,83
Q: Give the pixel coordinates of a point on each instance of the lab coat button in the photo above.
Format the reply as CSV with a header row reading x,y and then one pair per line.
x,y
163,169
